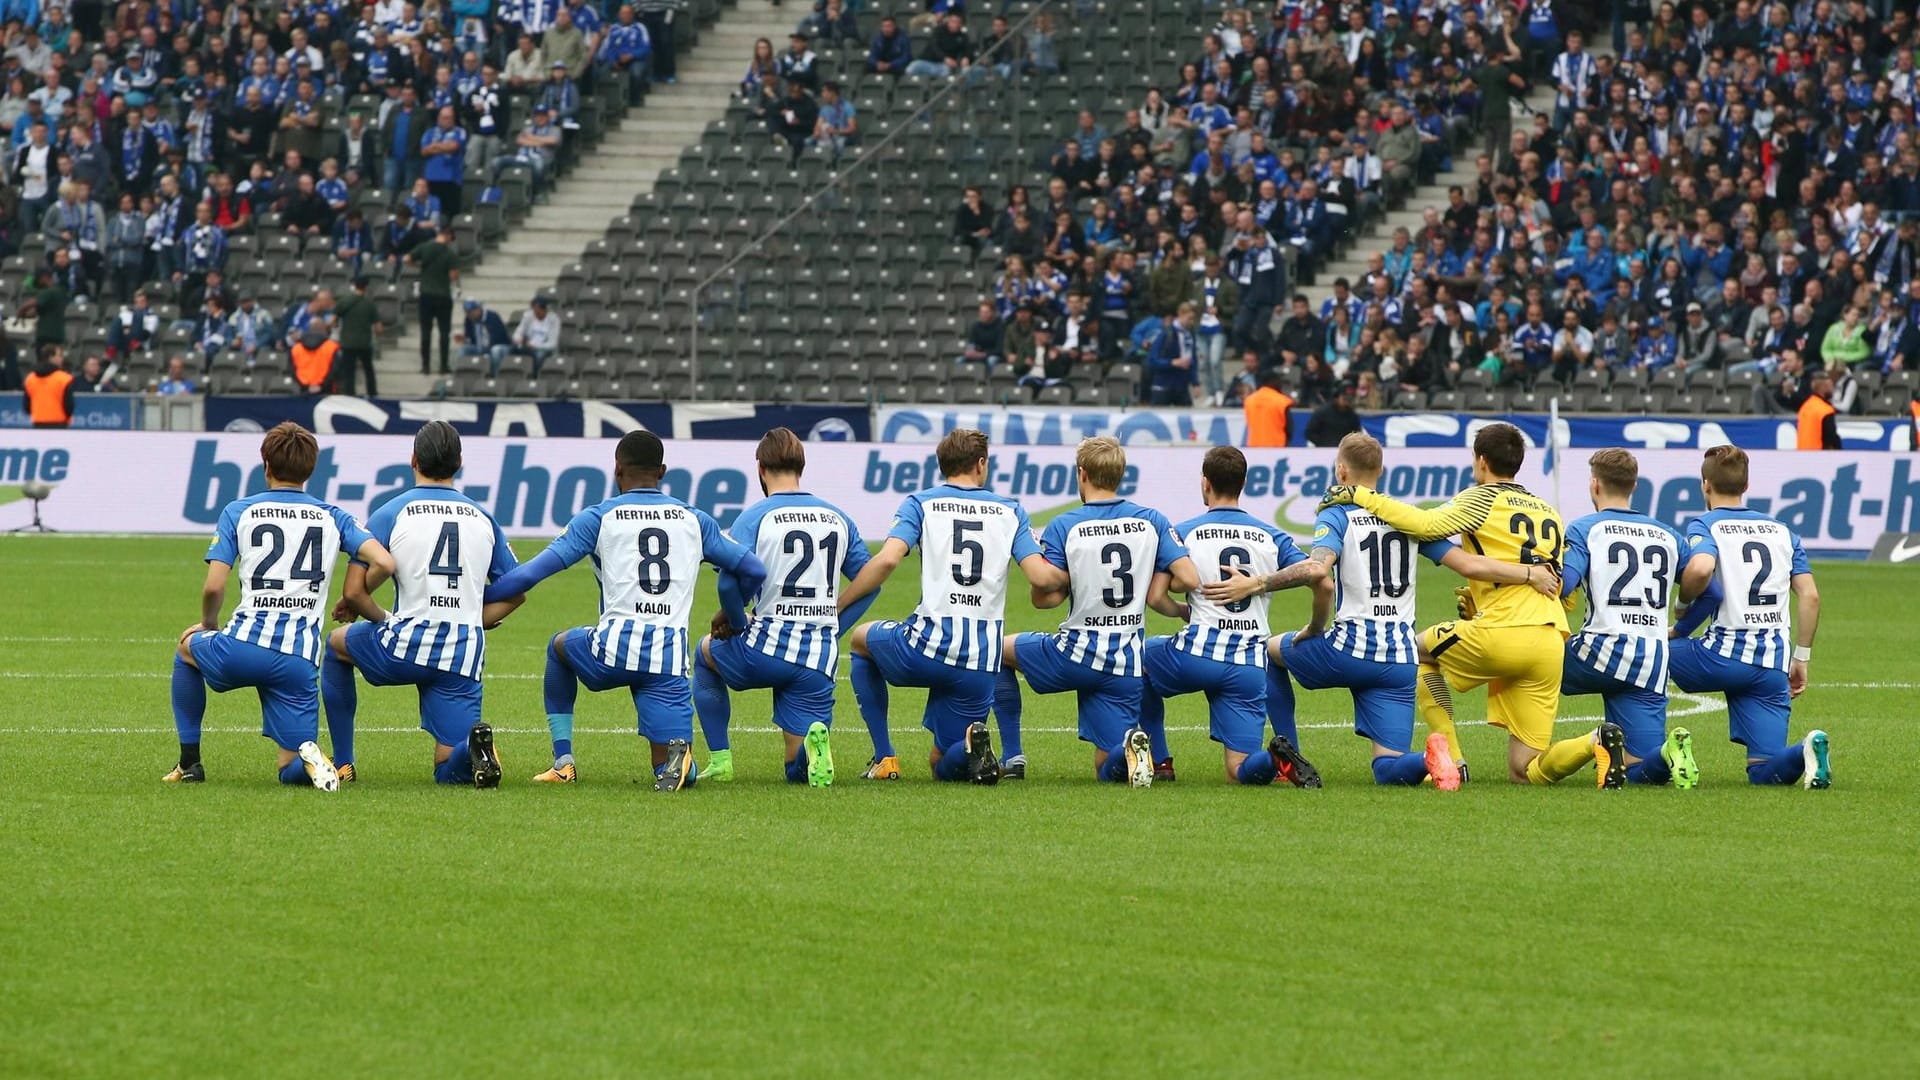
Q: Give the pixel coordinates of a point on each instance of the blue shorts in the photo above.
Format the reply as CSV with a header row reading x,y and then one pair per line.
x,y
1109,703
662,704
1758,704
802,695
449,701
287,684
957,697
1382,692
1236,693
1640,712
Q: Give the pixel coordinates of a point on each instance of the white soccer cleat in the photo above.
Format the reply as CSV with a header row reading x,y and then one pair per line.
x,y
1139,751
319,769
1817,772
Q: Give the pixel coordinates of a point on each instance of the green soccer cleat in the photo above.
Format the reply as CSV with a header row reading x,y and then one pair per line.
x,y
719,767
1678,754
1817,773
819,746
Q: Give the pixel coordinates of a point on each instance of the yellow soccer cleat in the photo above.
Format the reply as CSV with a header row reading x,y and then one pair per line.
x,y
886,768
559,774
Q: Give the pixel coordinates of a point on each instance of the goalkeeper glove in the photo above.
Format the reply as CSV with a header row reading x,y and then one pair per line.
x,y
1337,495
1463,603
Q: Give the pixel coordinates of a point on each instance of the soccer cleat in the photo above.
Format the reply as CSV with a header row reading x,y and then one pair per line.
x,y
482,756
982,766
346,773
195,773
1817,773
1440,766
719,767
319,769
559,774
819,746
1139,751
1163,772
1678,754
1462,763
1295,769
673,775
1014,768
886,768
1610,756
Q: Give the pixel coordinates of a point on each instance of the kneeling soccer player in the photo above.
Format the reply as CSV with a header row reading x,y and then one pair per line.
x,y
1361,637
1628,563
283,542
445,550
646,547
1223,648
1758,570
791,643
1114,551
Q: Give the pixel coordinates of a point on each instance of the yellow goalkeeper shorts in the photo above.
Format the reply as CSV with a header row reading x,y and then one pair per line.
x,y
1519,666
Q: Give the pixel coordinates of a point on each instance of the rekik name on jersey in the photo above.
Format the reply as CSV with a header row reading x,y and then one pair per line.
x,y
1756,559
446,548
807,544
1224,541
282,543
967,537
1629,563
1374,578
1110,550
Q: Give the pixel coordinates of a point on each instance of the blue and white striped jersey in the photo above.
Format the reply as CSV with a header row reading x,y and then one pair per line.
x,y
1222,541
282,542
445,551
1110,550
1373,583
1755,559
1629,563
646,549
966,538
807,545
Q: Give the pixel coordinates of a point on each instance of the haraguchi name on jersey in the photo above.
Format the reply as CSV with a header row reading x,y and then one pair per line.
x,y
1111,528
1096,622
975,507
287,513
459,509
647,513
287,600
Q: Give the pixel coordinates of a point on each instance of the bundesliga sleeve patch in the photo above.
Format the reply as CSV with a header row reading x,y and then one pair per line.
x,y
1320,533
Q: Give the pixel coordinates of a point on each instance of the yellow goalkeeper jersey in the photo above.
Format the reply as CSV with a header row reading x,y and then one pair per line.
x,y
1502,521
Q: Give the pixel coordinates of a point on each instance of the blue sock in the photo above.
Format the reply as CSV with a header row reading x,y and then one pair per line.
x,y
1280,703
1405,770
457,769
1258,769
1780,767
1006,712
870,691
1153,721
189,707
560,726
1114,769
797,768
342,698
1650,770
294,772
711,703
953,762
558,688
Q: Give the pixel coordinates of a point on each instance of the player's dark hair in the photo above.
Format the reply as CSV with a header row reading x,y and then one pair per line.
x,y
1616,470
1361,452
1103,460
642,455
289,452
1725,470
959,450
1225,468
436,450
1503,447
781,451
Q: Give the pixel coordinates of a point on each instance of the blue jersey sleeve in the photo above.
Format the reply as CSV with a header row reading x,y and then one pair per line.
x,y
719,549
1024,545
226,537
746,527
906,523
1171,550
1574,558
1435,550
1330,530
1700,539
1053,542
582,534
857,554
504,560
380,522
352,535
1799,557
1290,552
582,537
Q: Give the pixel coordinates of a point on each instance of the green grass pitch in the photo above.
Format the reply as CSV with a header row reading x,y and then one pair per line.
x,y
1059,927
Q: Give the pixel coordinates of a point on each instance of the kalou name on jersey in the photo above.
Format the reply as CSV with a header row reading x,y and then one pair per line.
x,y
446,548
282,543
1629,563
1225,541
967,537
1110,550
807,544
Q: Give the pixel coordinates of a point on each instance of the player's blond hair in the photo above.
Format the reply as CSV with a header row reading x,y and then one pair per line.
x,y
1361,453
1104,461
1725,470
1616,470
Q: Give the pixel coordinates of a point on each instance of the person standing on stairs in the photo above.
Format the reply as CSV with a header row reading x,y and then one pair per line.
x,y
658,16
